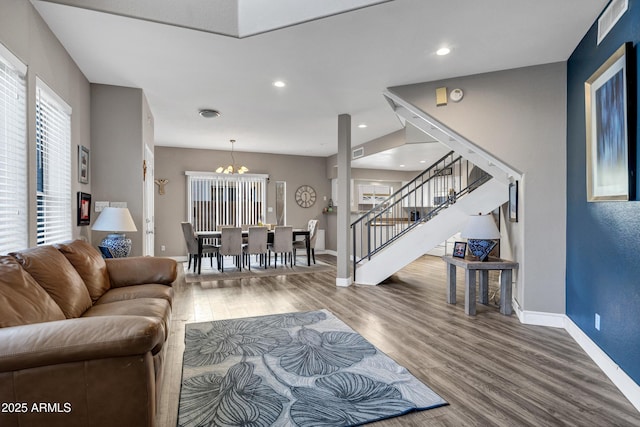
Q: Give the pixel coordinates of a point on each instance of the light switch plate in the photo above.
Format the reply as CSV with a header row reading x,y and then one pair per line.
x,y
101,205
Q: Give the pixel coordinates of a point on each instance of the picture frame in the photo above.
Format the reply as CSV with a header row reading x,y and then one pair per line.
x,y
84,208
83,164
459,249
607,110
513,201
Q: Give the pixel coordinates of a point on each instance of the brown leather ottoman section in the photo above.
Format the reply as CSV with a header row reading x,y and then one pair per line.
x,y
138,291
148,307
81,394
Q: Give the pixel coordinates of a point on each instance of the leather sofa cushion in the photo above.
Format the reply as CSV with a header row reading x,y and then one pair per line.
x,y
141,269
89,264
57,276
138,291
22,300
150,307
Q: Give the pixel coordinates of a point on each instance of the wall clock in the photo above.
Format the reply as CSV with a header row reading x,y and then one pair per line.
x,y
305,196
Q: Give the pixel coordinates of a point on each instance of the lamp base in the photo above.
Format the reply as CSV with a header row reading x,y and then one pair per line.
x,y
118,244
480,248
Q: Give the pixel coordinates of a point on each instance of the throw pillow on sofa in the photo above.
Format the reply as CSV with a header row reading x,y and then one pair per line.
x,y
57,276
89,264
23,301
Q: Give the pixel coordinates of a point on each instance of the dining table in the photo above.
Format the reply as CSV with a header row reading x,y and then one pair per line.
x,y
204,235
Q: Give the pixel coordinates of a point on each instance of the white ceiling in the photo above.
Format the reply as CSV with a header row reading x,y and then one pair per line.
x,y
335,65
409,157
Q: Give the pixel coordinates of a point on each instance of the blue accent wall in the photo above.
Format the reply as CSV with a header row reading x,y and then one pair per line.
x,y
603,238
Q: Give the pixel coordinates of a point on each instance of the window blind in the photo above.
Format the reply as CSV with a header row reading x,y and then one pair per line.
x,y
13,154
215,200
53,162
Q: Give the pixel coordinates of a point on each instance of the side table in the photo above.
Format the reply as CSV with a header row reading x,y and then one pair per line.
x,y
471,266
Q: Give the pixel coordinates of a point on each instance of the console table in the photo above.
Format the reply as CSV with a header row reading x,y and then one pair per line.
x,y
471,266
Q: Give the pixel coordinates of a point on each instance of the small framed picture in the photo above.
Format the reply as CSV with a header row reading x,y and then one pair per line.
x,y
84,208
83,164
513,202
459,249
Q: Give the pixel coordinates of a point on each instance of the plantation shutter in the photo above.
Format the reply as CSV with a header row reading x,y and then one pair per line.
x,y
13,154
53,158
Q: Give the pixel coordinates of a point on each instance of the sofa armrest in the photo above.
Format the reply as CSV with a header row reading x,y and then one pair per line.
x,y
141,270
81,339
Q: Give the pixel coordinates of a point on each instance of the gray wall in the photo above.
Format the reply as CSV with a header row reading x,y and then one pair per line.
x,y
121,123
170,208
385,142
519,116
26,35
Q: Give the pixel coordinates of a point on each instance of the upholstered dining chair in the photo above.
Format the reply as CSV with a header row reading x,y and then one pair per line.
x,y
312,227
282,244
256,244
230,245
192,246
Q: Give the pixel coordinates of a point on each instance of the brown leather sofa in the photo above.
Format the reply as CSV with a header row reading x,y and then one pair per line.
x,y
82,339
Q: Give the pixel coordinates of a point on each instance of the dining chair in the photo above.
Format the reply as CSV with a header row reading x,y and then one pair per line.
x,y
282,244
256,244
245,231
312,227
192,246
230,245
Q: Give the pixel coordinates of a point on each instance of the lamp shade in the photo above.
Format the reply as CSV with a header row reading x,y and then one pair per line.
x,y
114,220
480,227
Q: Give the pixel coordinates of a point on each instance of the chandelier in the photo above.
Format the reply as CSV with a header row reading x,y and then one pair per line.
x,y
232,168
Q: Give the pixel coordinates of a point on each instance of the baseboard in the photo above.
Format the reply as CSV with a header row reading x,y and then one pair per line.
x,y
625,384
539,318
344,282
330,252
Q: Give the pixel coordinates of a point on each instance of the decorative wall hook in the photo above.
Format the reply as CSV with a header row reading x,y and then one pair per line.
x,y
161,183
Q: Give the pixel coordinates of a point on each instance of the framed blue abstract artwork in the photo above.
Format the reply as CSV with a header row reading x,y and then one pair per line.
x,y
607,115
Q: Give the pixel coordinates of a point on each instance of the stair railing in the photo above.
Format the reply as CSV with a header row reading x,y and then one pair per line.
x,y
432,191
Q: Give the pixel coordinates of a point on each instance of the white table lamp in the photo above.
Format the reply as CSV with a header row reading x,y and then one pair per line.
x,y
481,233
117,221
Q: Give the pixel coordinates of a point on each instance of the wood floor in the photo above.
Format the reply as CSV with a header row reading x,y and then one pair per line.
x,y
491,369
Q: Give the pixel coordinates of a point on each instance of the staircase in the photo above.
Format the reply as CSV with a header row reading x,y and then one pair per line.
x,y
433,206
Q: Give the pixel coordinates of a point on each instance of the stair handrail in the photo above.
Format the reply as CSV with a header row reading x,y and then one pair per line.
x,y
415,217
407,185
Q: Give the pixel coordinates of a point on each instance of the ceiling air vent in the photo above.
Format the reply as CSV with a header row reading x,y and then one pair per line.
x,y
357,153
610,16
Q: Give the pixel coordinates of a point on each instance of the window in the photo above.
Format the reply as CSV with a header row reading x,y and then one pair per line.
x,y
216,199
13,154
53,163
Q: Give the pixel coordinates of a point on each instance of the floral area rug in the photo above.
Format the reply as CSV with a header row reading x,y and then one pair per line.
x,y
298,369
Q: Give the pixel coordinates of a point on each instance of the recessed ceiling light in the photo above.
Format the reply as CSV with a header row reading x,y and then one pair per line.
x,y
209,114
401,166
279,83
443,51
362,125
423,161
